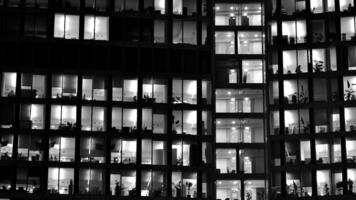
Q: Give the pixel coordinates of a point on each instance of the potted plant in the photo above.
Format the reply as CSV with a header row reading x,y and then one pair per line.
x,y
349,92
189,185
178,188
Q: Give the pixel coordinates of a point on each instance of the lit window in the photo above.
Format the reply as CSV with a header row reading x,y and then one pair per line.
x,y
347,28
63,117
64,86
227,189
96,28
93,118
66,26
92,150
184,7
91,181
30,148
8,88
32,116
225,42
61,149
154,152
346,5
250,42
252,71
123,183
7,142
123,151
94,88
60,180
33,86
226,161
181,180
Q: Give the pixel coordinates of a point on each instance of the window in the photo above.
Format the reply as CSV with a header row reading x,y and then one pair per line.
x,y
351,175
346,5
64,86
350,88
252,161
159,33
154,121
8,88
94,88
317,6
30,148
184,153
296,91
61,149
228,189
226,161
7,114
206,92
154,152
33,86
93,118
67,4
254,188
130,90
350,119
347,28
123,183
96,28
91,181
184,184
60,180
232,76
184,32
32,116
66,26
241,101
6,145
292,7
275,123
126,5
155,6
296,121
294,32
206,122
184,91
154,91
5,178
238,14
123,151
98,5
274,92
28,179
323,178
92,150
37,3
252,71
250,42
305,152
35,26
184,122
224,42
239,131
153,183
185,7
63,117
295,61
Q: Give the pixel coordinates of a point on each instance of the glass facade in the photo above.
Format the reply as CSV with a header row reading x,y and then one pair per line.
x,y
177,99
